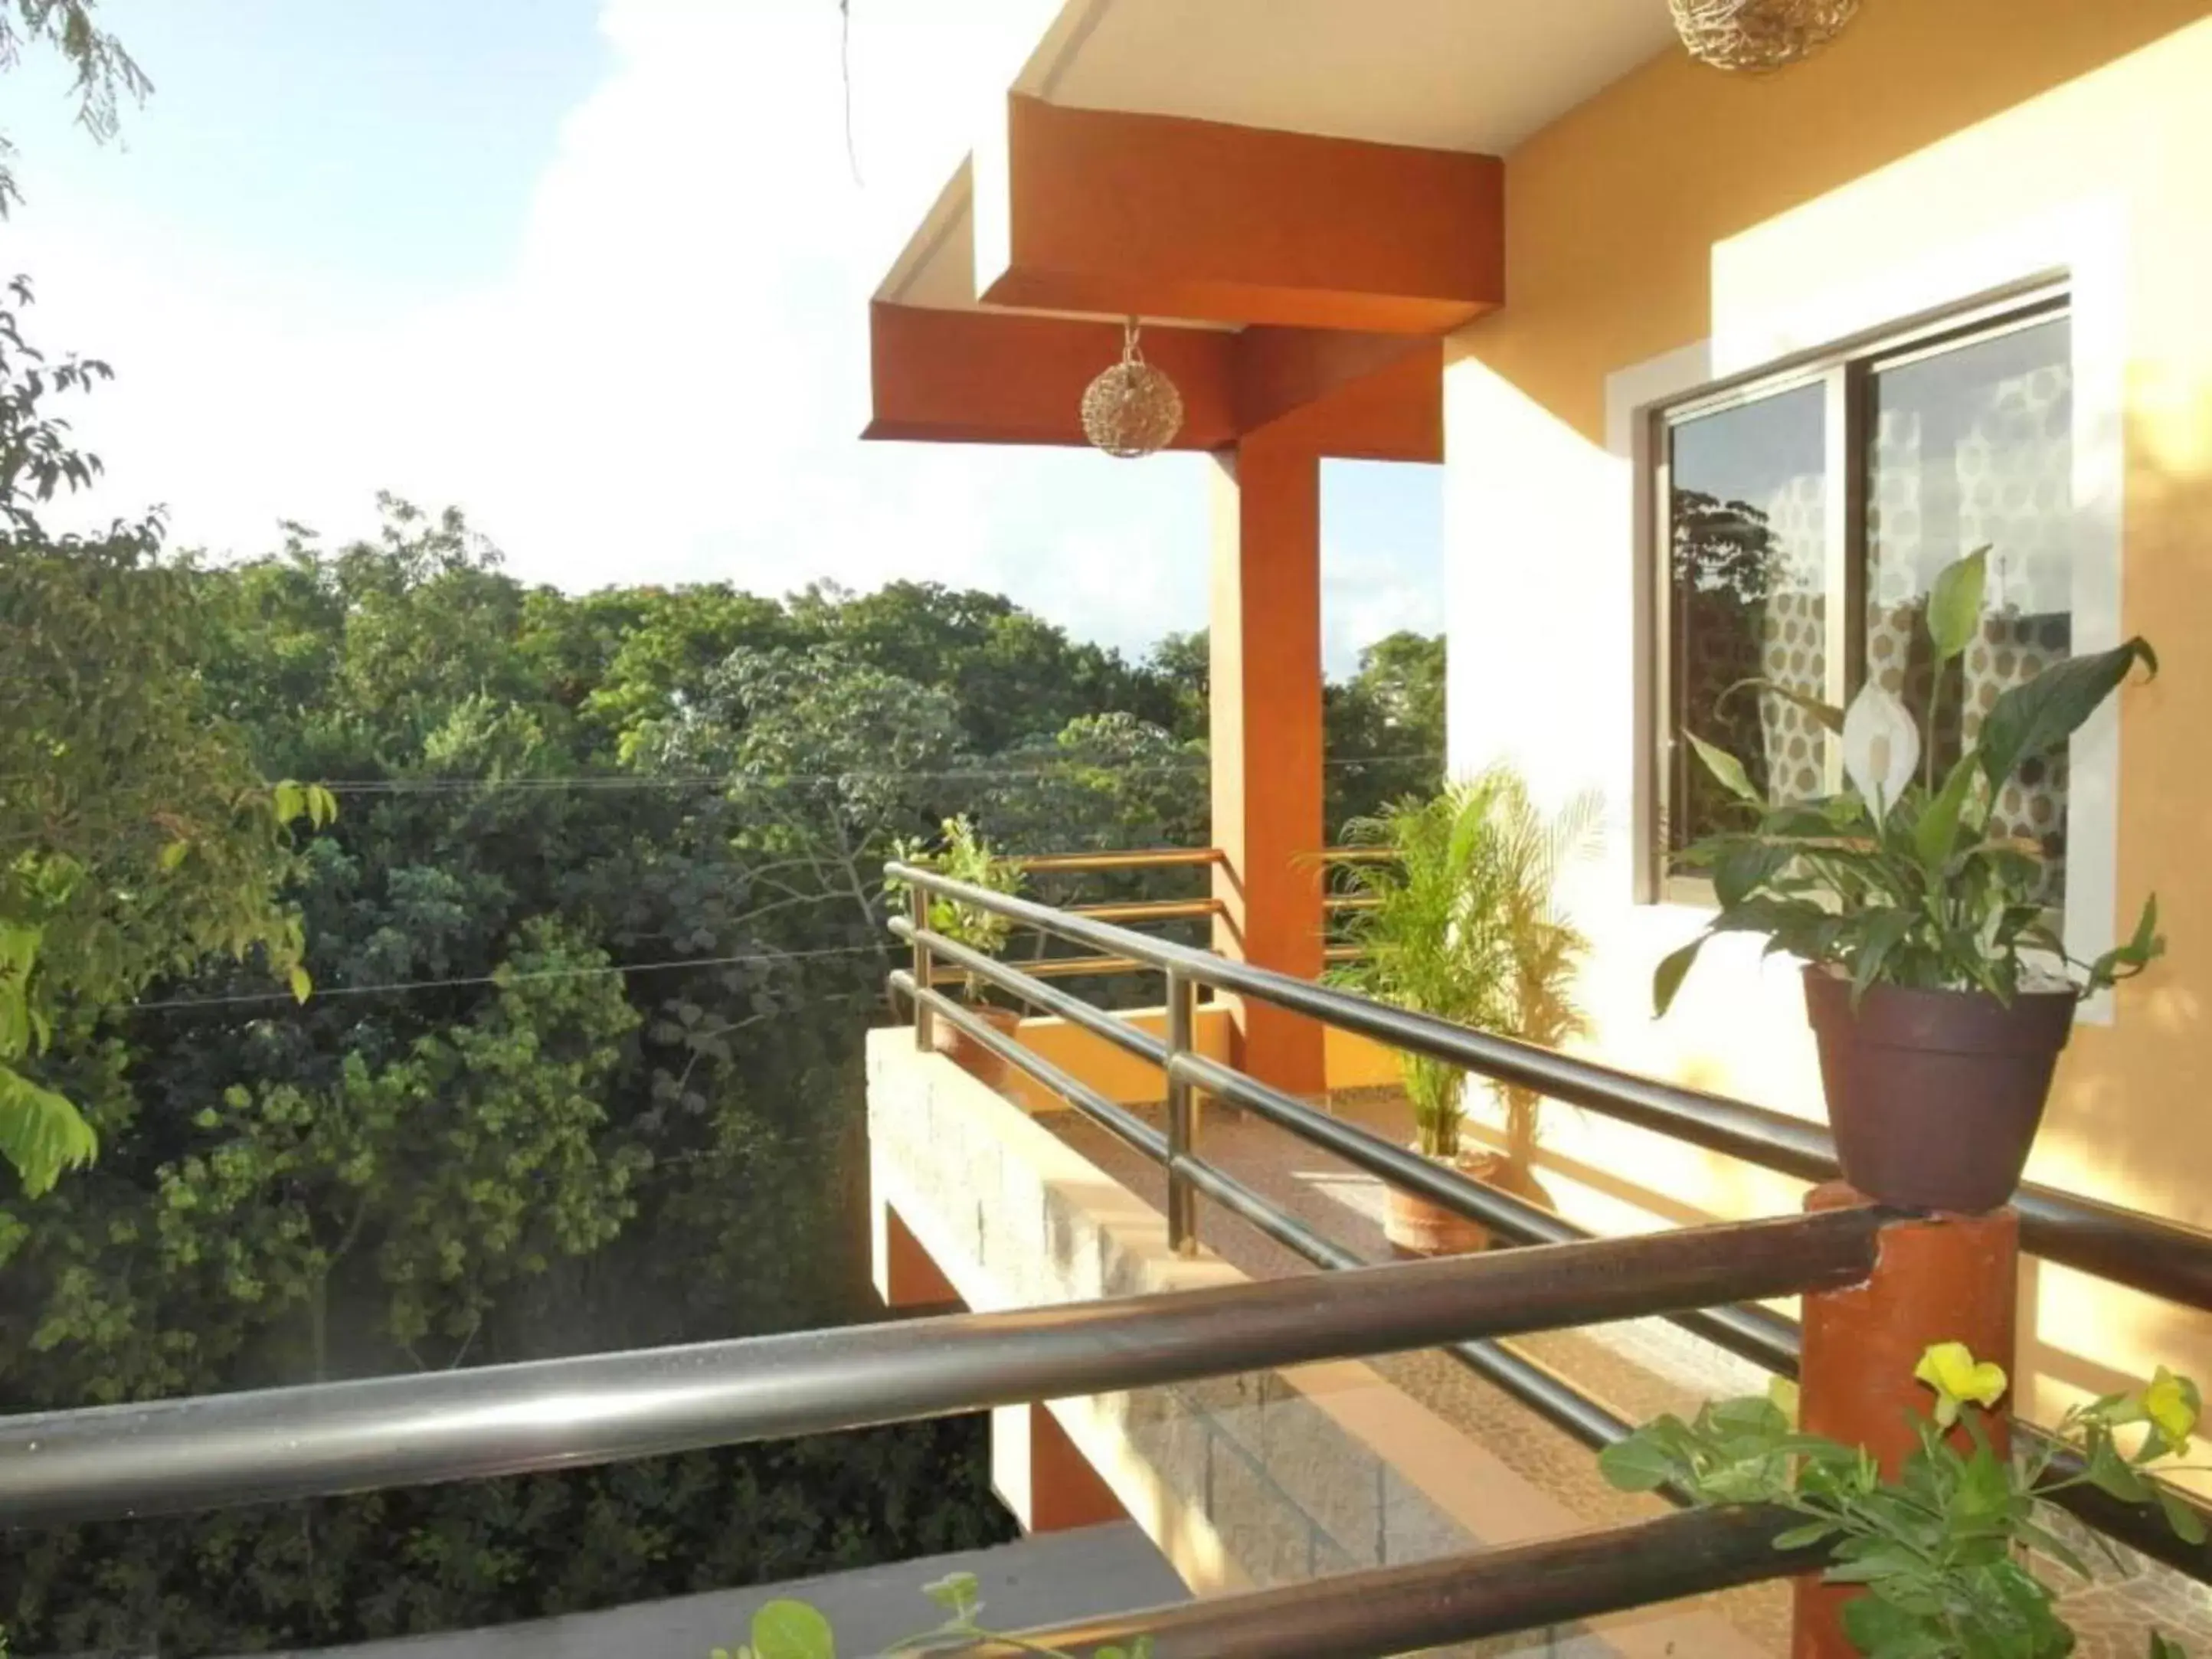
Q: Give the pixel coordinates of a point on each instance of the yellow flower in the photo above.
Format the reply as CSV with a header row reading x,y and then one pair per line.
x,y
2171,1405
1957,1377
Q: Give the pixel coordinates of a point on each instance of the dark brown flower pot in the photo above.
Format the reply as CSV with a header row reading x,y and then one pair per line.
x,y
1418,1226
1935,1096
969,1055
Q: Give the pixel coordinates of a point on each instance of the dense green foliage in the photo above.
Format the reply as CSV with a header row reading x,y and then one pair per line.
x,y
594,938
136,837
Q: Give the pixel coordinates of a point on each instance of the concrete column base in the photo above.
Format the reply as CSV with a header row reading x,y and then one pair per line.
x,y
1949,1279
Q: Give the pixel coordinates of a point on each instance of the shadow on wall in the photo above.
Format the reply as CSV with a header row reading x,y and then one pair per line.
x,y
2127,1122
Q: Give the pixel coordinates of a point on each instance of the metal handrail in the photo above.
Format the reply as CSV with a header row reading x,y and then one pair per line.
x,y
1457,1598
1758,1335
1151,909
2162,1258
1558,1401
1156,858
1067,968
275,1444
1763,1337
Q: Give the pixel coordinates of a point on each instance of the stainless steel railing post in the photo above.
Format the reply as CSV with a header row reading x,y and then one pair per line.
x,y
1183,1115
924,971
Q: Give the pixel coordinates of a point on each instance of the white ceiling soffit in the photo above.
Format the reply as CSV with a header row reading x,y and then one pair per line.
x,y
1469,74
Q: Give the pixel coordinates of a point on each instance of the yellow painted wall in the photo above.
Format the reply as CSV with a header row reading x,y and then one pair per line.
x,y
1682,205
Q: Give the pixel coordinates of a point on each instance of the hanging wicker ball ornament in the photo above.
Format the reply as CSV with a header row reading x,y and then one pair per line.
x,y
1132,410
1759,36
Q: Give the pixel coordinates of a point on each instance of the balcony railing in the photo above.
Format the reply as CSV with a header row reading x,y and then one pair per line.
x,y
173,1456
2158,1257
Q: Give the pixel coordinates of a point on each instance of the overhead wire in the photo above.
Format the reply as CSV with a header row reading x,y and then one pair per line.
x,y
756,957
720,780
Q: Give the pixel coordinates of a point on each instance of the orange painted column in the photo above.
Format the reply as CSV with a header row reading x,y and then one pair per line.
x,y
1265,726
1949,1279
1039,1473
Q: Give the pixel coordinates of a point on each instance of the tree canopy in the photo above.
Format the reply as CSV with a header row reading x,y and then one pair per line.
x,y
103,75
136,837
589,890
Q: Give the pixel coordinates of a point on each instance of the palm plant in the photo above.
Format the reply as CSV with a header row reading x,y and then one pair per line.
x,y
1463,922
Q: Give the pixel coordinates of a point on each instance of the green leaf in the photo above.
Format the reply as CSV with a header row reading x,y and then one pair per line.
x,y
1881,931
959,1594
1743,866
1726,767
1954,606
1636,1464
1826,713
1937,831
2124,960
792,1630
2042,714
1667,978
1798,1538
302,986
1882,1630
2180,1515
174,854
291,801
2111,1474
41,1134
1752,1417
2160,1648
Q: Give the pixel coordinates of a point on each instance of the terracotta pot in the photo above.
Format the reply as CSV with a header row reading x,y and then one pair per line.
x,y
1935,1096
969,1055
1418,1226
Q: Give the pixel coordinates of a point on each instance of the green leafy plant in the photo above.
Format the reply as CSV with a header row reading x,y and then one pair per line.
x,y
136,837
965,855
1938,1547
1463,922
1900,878
794,1630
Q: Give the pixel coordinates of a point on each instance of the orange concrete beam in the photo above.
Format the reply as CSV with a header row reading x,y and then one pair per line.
x,y
996,377
1041,1475
1157,216
906,1276
979,377
1347,397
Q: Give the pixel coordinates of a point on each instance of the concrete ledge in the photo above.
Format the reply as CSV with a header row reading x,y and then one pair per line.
x,y
1240,1481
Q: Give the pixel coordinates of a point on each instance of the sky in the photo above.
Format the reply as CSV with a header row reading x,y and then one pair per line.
x,y
596,272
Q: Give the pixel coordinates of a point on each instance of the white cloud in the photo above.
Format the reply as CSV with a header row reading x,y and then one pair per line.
x,y
668,382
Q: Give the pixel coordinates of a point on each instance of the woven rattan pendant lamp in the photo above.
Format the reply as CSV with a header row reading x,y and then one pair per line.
x,y
1132,410
1759,36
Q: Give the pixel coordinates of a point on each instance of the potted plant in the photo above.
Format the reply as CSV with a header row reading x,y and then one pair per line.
x,y
965,855
1940,1547
1461,922
1940,993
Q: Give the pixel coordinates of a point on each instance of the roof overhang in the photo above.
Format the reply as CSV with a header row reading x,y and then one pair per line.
x,y
1300,196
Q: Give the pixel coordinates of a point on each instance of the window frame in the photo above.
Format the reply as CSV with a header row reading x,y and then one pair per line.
x,y
1845,372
